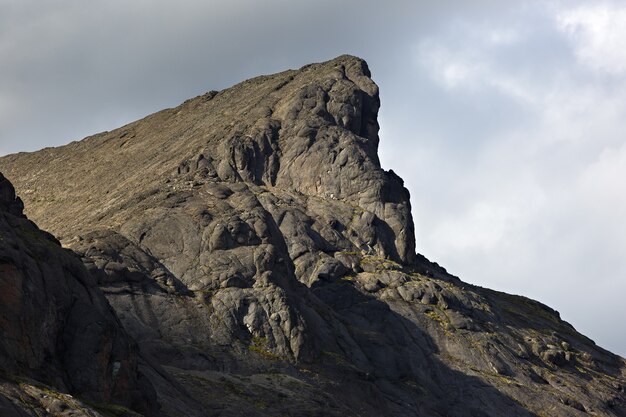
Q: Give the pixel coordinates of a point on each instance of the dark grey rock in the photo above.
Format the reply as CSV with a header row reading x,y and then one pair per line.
x,y
57,327
265,264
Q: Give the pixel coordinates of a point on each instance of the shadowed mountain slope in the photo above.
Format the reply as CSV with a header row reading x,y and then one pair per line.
x,y
59,334
250,243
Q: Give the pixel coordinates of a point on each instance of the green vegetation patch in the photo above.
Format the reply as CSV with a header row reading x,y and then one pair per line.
x,y
378,263
111,410
260,345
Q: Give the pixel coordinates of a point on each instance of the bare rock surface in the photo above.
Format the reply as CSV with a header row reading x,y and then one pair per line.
x,y
59,334
263,261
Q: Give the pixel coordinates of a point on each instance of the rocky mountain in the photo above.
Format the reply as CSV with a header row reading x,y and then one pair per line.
x,y
258,261
59,334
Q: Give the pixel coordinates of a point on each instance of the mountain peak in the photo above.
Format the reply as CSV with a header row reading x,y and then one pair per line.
x,y
313,131
252,245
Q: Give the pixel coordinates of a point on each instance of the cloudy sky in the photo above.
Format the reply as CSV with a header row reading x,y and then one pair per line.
x,y
506,121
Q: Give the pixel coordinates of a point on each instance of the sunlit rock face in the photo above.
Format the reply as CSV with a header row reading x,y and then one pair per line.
x,y
251,244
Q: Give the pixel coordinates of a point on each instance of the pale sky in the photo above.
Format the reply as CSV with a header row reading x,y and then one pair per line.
x,y
505,119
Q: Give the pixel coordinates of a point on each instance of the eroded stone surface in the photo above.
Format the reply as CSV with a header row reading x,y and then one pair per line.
x,y
251,244
57,327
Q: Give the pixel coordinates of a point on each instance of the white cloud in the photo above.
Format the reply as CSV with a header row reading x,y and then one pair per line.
x,y
602,189
447,69
503,37
471,69
598,33
482,226
536,207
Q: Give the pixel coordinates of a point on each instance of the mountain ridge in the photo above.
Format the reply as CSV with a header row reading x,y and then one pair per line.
x,y
261,215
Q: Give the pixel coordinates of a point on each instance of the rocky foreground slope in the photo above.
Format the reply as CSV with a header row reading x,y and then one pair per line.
x,y
59,334
264,264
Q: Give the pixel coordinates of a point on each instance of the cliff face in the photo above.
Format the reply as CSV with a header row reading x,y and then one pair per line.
x,y
251,244
57,327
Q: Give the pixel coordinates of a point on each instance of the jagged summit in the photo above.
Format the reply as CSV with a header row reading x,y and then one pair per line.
x,y
250,243
313,131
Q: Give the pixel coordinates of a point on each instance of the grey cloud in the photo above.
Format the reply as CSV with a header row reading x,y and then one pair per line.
x,y
74,66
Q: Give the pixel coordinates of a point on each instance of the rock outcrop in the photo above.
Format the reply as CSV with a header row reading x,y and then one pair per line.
x,y
59,334
251,244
